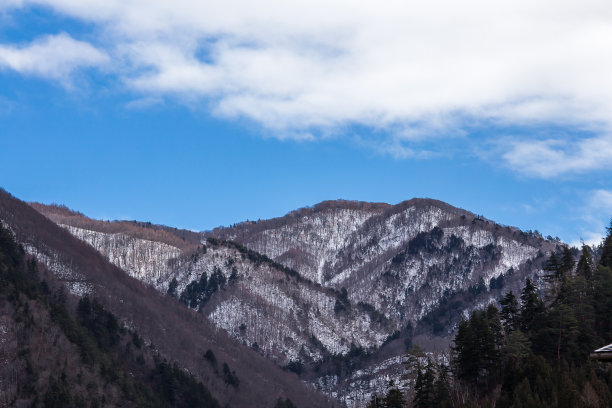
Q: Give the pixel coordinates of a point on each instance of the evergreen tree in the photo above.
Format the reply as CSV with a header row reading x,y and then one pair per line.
x,y
531,307
465,352
606,253
492,336
172,287
510,312
233,275
477,350
572,317
424,387
585,264
517,346
442,394
552,268
563,325
602,294
394,397
566,266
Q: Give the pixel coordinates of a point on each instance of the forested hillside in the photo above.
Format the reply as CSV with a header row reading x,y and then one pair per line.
x,y
532,352
235,377
55,355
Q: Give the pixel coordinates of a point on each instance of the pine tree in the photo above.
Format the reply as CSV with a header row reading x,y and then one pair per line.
x,y
424,387
172,287
566,266
563,327
602,293
510,312
552,268
585,264
492,338
517,346
465,352
606,253
531,307
442,395
477,351
394,397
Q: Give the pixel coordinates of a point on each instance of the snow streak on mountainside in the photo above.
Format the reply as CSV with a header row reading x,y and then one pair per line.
x,y
311,241
142,259
288,319
368,274
403,259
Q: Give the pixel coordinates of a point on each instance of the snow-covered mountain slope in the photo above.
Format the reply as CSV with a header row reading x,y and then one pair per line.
x,y
367,275
142,259
402,259
285,317
305,240
288,318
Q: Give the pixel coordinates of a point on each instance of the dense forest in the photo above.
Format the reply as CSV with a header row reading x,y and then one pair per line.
x,y
532,351
55,355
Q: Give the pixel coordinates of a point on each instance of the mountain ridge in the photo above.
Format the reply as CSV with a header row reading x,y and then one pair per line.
x,y
176,331
411,264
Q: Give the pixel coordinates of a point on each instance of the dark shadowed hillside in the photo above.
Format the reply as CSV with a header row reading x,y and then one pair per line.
x,y
174,331
54,354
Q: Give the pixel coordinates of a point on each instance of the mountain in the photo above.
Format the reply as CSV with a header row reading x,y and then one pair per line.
x,y
171,330
402,259
422,264
336,292
54,355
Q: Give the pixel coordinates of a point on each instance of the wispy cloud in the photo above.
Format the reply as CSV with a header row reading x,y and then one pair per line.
x,y
307,67
144,103
554,157
596,215
6,105
53,57
602,199
7,4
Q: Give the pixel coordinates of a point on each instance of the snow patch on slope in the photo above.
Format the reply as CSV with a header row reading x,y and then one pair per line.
x,y
140,258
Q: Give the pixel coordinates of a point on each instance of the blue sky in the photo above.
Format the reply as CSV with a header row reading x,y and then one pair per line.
x,y
196,115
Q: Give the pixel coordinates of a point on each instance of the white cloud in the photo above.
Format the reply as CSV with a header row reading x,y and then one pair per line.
x,y
602,199
591,239
324,64
7,4
6,105
53,57
596,216
554,157
144,103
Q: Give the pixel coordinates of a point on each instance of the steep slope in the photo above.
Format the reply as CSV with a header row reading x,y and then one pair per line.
x,y
273,309
267,306
307,239
422,264
402,259
58,356
173,330
371,280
